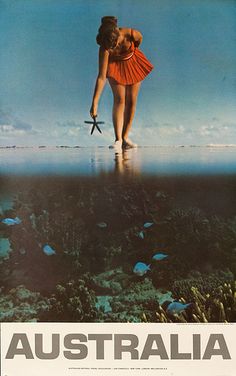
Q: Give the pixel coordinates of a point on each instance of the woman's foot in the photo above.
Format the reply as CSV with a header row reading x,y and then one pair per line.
x,y
128,144
117,146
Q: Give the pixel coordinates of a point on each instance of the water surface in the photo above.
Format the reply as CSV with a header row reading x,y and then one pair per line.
x,y
92,161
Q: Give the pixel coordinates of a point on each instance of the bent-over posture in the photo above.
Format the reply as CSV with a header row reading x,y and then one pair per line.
x,y
125,66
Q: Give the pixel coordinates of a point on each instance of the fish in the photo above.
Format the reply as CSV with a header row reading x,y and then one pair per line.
x,y
11,221
177,307
102,224
141,234
141,268
48,250
148,224
159,256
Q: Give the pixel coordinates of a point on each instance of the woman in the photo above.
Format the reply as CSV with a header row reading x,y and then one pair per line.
x,y
125,66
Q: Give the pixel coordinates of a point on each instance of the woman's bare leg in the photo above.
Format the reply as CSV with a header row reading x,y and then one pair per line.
x,y
130,107
118,108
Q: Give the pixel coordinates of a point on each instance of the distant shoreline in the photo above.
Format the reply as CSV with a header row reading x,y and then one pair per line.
x,y
105,146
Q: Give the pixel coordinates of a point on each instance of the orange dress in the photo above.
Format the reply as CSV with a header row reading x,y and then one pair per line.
x,y
130,67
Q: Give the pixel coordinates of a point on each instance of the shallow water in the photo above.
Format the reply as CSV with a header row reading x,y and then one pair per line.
x,y
92,161
90,205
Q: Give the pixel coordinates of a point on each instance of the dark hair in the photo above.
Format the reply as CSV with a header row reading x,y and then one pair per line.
x,y
109,20
107,32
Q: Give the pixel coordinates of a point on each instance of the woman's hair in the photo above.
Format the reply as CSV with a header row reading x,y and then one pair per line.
x,y
108,32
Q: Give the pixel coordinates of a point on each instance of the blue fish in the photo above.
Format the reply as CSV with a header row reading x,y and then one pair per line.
x,y
11,221
141,268
148,224
159,256
141,234
177,307
47,249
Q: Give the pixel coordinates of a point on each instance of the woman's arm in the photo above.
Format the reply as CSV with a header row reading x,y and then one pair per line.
x,y
101,80
137,37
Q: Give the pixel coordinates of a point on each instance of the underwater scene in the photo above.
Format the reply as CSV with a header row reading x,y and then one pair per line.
x,y
148,235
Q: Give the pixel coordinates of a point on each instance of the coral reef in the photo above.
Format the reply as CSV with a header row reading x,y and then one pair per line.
x,y
20,304
218,306
129,305
205,283
104,226
112,282
75,301
72,301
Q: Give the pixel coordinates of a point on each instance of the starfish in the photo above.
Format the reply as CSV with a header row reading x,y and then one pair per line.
x,y
95,124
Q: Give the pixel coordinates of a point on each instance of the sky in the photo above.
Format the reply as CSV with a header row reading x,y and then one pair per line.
x,y
49,64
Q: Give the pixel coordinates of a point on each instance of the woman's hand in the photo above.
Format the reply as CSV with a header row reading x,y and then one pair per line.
x,y
93,110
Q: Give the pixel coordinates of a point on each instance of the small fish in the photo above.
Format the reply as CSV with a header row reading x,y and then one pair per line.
x,y
22,251
141,268
102,224
11,221
177,307
148,224
159,256
47,249
141,234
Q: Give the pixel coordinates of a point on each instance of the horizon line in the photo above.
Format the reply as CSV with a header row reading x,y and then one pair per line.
x,y
105,146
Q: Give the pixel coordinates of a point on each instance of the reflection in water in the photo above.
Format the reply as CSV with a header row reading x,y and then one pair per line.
x,y
126,163
93,161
